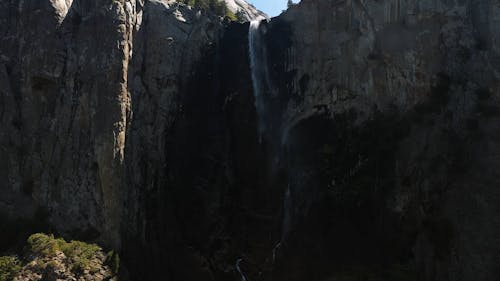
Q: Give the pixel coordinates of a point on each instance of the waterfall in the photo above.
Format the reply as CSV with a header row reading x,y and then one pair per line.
x,y
287,221
263,93
243,278
260,72
275,250
287,213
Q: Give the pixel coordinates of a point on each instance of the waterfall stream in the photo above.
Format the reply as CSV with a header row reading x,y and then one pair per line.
x,y
287,216
243,278
260,72
263,91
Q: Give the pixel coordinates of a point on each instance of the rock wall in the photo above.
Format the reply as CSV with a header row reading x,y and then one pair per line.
x,y
67,101
246,10
133,123
169,97
388,113
64,89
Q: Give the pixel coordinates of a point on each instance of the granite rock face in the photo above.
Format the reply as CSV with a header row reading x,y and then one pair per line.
x,y
133,123
399,99
248,11
66,103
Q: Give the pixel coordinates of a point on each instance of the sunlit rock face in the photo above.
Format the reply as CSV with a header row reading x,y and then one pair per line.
x,y
248,11
64,122
70,74
370,151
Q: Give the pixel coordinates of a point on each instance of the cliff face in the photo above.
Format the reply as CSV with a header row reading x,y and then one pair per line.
x,y
248,11
374,143
399,102
69,75
64,91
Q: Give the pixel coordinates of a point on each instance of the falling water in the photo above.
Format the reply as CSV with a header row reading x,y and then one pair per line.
x,y
260,73
243,278
287,216
287,221
263,91
275,250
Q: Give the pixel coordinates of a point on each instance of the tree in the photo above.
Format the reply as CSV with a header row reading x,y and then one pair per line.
x,y
240,16
217,7
290,3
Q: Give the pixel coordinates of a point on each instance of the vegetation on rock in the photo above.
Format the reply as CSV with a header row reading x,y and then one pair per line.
x,y
9,267
217,7
51,258
113,260
79,253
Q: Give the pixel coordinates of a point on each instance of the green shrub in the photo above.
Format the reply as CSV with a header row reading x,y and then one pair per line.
x,y
44,244
80,254
113,261
231,16
9,267
217,7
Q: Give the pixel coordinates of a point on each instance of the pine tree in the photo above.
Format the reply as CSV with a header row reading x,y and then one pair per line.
x,y
240,16
217,7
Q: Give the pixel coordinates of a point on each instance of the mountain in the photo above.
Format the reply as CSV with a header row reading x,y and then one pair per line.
x,y
248,11
341,140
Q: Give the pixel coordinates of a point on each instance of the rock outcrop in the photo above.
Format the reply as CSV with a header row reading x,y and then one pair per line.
x,y
48,258
133,123
248,11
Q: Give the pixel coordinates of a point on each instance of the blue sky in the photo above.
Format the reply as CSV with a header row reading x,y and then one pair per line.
x,y
271,7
